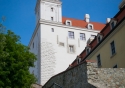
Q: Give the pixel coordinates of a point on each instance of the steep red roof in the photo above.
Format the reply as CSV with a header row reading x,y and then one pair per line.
x,y
106,31
83,24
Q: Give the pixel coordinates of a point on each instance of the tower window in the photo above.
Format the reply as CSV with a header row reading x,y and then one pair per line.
x,y
33,44
52,18
52,9
52,29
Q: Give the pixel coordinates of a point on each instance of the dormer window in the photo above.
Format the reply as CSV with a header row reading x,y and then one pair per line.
x,y
90,26
113,23
78,60
68,22
99,37
88,49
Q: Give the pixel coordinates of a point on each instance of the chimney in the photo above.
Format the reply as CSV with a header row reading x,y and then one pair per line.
x,y
87,18
108,20
122,4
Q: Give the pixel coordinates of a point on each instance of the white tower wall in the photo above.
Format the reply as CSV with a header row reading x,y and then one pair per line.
x,y
52,56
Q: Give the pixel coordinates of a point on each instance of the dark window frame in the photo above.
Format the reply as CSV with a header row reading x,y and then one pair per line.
x,y
82,36
52,18
115,66
52,29
113,50
99,60
71,34
52,9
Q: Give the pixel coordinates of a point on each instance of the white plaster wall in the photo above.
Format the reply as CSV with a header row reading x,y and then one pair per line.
x,y
53,58
36,50
56,58
46,13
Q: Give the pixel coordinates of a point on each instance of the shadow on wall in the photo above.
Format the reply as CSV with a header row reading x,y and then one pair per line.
x,y
88,75
75,77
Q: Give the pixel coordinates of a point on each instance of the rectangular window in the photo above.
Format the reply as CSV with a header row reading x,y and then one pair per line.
x,y
99,60
71,48
82,36
61,44
71,34
112,47
52,29
87,51
52,18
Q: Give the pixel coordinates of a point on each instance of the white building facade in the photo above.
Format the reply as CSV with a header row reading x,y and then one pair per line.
x,y
57,40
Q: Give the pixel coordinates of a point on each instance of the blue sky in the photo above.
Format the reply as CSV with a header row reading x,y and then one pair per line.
x,y
20,15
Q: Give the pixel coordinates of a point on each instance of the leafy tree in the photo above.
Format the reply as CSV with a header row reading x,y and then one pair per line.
x,y
15,60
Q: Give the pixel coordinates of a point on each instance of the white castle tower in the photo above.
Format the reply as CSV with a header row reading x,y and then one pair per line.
x,y
57,40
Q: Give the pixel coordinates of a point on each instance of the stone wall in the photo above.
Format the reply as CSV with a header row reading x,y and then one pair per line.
x,y
36,86
87,75
106,77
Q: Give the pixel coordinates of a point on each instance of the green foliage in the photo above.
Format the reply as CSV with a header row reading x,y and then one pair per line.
x,y
15,60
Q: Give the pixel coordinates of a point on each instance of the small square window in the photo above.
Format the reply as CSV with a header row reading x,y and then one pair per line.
x,y
52,29
71,34
112,44
71,48
82,36
99,60
115,66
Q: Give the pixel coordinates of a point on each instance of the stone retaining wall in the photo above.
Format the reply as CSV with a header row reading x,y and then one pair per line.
x,y
87,75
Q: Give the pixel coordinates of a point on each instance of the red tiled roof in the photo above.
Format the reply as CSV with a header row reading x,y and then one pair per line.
x,y
83,24
105,31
